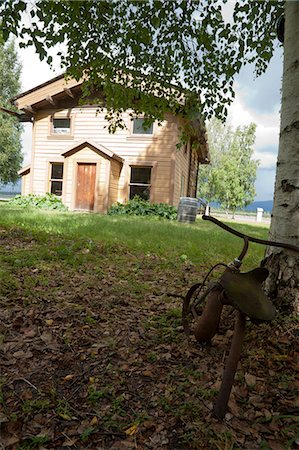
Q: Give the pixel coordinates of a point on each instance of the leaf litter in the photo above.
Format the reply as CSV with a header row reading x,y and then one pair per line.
x,y
93,356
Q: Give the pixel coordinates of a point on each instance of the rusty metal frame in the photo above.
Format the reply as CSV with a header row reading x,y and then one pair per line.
x,y
207,323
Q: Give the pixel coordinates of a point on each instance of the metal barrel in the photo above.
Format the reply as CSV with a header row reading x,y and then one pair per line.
x,y
187,209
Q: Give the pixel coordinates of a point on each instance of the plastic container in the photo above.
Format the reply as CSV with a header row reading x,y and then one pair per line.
x,y
187,209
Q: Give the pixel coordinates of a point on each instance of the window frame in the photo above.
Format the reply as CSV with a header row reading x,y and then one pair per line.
x,y
142,165
61,118
62,136
144,136
51,180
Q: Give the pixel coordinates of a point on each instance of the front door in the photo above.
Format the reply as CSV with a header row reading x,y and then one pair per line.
x,y
86,176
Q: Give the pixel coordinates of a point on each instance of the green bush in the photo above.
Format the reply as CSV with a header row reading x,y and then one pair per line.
x,y
139,207
48,201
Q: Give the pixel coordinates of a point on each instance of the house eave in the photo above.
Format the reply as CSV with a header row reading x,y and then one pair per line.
x,y
36,88
17,114
24,170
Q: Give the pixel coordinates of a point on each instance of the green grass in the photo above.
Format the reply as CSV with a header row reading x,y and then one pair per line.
x,y
90,292
200,243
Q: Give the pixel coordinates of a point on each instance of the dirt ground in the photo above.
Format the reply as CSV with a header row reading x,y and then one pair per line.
x,y
93,356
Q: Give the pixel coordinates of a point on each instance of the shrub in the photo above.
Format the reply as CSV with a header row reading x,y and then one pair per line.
x,y
139,207
48,201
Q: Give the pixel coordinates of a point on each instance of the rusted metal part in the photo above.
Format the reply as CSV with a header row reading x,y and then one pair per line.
x,y
244,292
244,250
250,238
241,290
193,299
186,307
207,324
231,365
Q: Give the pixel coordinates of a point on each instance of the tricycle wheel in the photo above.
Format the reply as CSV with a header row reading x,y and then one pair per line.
x,y
192,306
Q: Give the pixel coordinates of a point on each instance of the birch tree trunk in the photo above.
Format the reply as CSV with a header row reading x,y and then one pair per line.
x,y
283,281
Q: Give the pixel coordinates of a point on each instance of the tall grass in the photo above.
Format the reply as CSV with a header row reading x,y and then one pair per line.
x,y
201,243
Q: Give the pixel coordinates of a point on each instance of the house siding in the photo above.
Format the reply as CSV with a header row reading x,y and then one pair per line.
x,y
87,124
192,183
115,172
26,183
182,158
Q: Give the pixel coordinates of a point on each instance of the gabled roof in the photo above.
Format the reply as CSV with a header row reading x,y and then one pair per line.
x,y
57,93
24,170
98,148
39,86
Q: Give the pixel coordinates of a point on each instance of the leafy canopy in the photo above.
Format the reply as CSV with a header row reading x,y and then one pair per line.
x,y
10,144
185,43
230,177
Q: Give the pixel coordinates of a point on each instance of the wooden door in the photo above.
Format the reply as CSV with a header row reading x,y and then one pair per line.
x,y
86,176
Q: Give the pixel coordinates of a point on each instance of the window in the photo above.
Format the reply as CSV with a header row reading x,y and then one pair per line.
x,y
139,128
61,126
140,182
56,178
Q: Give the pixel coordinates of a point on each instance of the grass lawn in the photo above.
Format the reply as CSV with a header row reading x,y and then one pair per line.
x,y
202,243
93,354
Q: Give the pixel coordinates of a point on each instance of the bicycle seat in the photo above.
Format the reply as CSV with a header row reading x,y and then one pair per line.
x,y
244,291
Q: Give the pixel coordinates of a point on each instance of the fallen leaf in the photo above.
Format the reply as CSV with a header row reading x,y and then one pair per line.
x,y
29,333
122,445
148,373
64,416
49,322
250,379
47,337
22,354
69,377
69,442
94,421
148,424
26,395
132,430
10,441
3,418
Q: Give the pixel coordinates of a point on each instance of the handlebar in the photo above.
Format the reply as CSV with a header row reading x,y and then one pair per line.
x,y
249,238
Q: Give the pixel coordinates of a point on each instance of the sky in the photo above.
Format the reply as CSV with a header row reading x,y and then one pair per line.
x,y
257,100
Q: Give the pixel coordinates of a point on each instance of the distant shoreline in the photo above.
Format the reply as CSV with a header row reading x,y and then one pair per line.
x,y
267,206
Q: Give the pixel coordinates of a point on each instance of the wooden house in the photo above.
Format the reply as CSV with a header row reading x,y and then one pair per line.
x,y
75,157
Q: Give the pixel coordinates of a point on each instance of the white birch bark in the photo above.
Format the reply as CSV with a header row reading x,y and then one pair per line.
x,y
283,282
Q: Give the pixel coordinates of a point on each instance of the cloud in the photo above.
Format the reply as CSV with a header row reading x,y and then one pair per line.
x,y
267,130
266,144
262,95
267,160
267,137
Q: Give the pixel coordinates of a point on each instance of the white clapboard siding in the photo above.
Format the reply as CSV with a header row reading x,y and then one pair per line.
x,y
181,173
86,124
